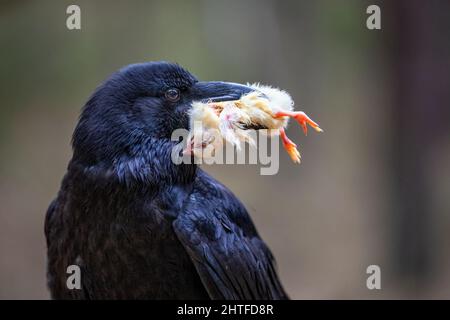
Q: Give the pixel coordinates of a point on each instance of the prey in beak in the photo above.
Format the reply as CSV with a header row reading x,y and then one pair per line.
x,y
239,109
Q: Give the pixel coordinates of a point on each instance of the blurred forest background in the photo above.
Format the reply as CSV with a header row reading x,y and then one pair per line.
x,y
373,189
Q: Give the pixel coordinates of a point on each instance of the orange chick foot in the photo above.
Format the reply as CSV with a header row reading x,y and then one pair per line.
x,y
290,146
301,118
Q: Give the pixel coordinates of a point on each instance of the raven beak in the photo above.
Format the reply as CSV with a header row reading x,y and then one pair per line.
x,y
218,91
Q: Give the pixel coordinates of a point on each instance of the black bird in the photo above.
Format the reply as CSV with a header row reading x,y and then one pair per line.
x,y
138,225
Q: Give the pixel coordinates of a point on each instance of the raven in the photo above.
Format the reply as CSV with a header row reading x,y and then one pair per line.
x,y
138,225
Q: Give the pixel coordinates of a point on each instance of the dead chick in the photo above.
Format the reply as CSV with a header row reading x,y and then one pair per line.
x,y
263,108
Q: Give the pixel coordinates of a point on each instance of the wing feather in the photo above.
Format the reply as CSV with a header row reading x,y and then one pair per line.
x,y
230,257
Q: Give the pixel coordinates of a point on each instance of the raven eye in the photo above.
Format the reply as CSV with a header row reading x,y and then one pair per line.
x,y
173,95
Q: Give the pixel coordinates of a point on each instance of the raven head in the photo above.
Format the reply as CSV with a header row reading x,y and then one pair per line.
x,y
125,128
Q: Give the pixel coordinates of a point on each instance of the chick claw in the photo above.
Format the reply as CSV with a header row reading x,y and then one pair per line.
x,y
301,118
290,146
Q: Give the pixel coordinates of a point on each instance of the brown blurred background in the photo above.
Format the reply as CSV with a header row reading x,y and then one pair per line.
x,y
373,189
